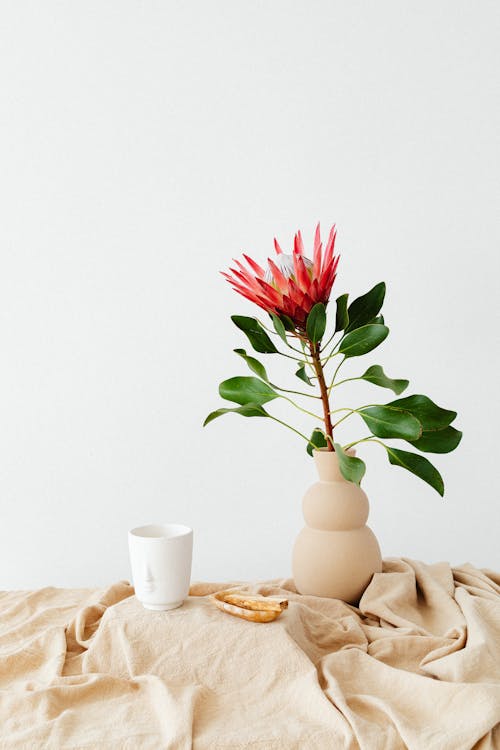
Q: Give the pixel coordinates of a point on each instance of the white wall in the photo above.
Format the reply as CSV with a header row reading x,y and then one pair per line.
x,y
142,146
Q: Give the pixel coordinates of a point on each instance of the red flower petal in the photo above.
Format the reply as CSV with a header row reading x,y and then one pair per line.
x,y
330,246
245,276
328,277
249,295
278,277
317,237
294,292
293,296
254,266
270,291
298,245
317,253
314,291
307,303
256,301
299,316
287,306
301,275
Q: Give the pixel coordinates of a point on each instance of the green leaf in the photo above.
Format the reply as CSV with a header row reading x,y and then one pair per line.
x,y
431,416
316,322
246,390
288,323
253,364
363,309
279,327
388,422
418,465
317,440
352,468
378,319
363,340
302,374
247,410
438,441
255,334
377,376
341,316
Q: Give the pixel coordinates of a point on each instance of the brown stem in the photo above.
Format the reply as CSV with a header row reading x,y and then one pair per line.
x,y
315,354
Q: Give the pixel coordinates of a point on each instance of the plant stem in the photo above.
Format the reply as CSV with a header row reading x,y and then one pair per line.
x,y
275,419
329,341
330,356
346,380
293,348
316,358
290,356
306,358
298,393
305,411
335,375
275,333
351,411
369,438
342,408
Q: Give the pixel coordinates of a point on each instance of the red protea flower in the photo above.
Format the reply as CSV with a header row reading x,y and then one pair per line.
x,y
292,284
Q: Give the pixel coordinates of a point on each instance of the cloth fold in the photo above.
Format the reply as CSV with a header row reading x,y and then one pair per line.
x,y
416,665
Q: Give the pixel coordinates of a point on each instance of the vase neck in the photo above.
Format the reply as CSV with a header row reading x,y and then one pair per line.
x,y
327,465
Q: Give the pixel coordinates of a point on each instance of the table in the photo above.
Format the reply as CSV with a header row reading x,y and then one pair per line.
x,y
416,665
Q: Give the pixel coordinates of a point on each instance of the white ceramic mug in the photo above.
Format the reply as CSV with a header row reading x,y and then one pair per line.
x,y
160,558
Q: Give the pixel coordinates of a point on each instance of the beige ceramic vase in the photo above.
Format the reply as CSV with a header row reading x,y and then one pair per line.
x,y
335,554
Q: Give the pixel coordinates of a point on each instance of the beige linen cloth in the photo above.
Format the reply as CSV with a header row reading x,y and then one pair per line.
x,y
416,666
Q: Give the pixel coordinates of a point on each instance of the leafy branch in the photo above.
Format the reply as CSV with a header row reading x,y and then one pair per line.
x,y
359,329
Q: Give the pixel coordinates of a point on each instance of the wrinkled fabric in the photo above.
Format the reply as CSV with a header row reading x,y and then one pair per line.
x,y
416,665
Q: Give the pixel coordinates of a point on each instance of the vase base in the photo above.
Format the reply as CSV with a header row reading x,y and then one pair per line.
x,y
335,564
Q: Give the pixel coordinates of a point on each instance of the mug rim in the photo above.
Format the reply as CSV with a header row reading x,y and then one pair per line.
x,y
179,530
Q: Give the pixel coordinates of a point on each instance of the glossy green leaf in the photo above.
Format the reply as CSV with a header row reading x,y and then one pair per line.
x,y
253,364
316,441
431,416
316,322
377,376
279,327
378,319
247,410
363,309
255,334
363,340
341,315
418,465
388,422
246,390
438,441
302,374
352,468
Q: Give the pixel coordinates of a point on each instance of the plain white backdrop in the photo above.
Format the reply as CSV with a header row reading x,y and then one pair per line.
x,y
142,146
